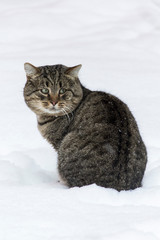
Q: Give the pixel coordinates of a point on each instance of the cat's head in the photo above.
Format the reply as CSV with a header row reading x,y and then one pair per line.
x,y
52,90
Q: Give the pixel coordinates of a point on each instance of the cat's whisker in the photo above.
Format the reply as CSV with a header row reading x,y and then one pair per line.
x,y
70,111
68,108
66,114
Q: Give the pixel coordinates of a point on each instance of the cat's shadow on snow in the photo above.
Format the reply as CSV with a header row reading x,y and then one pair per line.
x,y
19,168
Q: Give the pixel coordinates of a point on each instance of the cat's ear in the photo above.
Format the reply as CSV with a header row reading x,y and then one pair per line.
x,y
31,70
73,71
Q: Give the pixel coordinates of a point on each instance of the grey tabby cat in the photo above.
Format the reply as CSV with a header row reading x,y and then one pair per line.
x,y
94,133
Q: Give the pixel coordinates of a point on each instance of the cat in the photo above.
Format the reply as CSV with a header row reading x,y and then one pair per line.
x,y
94,133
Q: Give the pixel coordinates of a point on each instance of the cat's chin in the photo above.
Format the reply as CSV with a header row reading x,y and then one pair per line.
x,y
53,112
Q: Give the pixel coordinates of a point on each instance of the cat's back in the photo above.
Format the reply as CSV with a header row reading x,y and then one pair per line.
x,y
103,118
103,145
103,108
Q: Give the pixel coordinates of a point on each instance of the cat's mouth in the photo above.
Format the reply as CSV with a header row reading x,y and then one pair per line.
x,y
54,106
58,109
48,108
51,111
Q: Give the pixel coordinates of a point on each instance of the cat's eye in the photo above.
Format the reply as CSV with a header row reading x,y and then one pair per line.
x,y
45,90
62,90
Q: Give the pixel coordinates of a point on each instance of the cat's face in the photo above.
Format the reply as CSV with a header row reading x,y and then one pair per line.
x,y
52,90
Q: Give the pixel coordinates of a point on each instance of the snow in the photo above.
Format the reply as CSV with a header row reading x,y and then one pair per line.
x,y
117,43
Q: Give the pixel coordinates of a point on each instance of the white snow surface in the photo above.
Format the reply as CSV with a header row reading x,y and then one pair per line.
x,y
118,44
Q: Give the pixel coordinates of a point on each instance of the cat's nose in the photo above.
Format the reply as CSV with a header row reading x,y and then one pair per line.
x,y
53,99
54,103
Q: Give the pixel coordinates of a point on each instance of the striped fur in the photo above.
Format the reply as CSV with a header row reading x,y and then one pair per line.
x,y
95,135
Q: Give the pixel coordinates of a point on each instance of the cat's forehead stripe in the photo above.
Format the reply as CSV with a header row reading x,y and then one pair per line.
x,y
53,73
